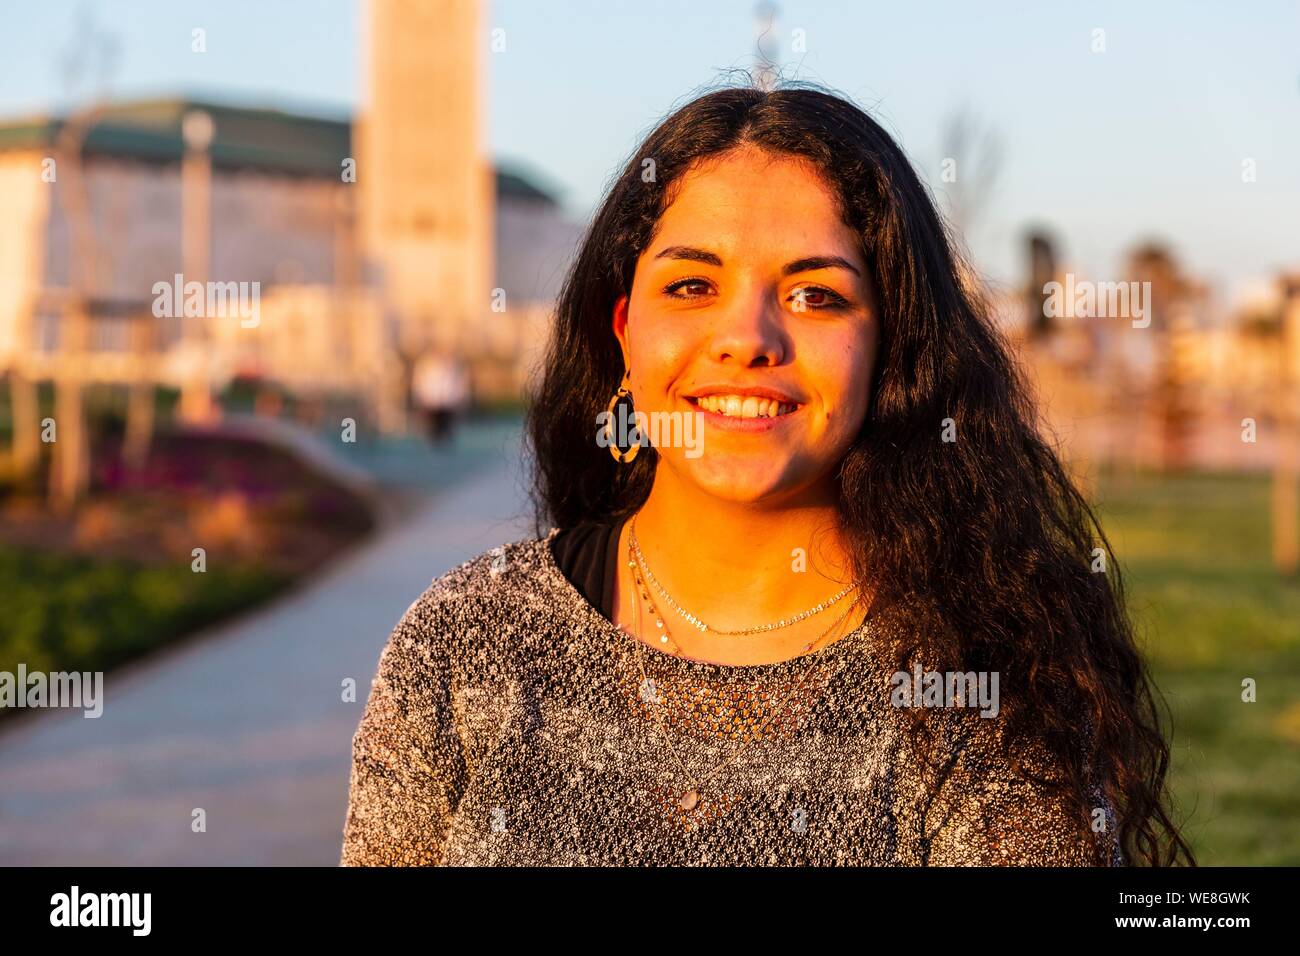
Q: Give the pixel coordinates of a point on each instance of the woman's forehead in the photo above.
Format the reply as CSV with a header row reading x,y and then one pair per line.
x,y
751,179
753,203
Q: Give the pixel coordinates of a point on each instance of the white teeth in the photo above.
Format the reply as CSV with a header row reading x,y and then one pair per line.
x,y
738,406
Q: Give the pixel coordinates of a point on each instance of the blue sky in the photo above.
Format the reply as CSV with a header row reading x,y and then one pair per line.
x,y
1144,140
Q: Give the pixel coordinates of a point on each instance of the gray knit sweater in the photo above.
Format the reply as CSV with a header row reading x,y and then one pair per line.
x,y
510,723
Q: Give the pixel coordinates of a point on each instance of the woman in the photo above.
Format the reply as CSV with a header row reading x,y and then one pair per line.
x,y
840,610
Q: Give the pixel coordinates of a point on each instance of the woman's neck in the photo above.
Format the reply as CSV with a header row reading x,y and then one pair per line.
x,y
737,565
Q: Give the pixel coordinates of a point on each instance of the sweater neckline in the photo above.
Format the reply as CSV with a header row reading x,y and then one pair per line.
x,y
620,638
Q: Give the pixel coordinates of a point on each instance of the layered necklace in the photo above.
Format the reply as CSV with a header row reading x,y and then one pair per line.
x,y
641,566
691,796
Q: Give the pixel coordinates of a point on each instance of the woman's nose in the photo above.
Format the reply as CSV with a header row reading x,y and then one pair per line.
x,y
749,332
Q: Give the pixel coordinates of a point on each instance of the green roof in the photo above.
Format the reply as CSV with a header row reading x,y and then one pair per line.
x,y
150,130
251,138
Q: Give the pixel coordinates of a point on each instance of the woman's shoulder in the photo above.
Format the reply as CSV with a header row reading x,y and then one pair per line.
x,y
518,564
483,599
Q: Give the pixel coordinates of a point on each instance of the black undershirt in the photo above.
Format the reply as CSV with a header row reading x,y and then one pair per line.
x,y
587,554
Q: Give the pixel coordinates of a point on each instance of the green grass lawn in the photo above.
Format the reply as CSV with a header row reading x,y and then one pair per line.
x,y
65,612
1210,611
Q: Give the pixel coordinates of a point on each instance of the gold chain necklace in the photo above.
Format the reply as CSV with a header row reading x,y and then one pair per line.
x,y
644,568
691,796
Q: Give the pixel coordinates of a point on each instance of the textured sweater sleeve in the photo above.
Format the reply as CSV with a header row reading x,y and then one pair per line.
x,y
408,768
986,813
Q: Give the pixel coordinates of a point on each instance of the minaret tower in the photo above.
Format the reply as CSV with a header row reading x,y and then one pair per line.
x,y
426,183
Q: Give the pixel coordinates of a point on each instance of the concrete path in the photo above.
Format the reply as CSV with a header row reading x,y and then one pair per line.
x,y
246,721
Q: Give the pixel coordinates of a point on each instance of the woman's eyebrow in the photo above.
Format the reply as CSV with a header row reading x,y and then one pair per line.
x,y
691,253
809,263
806,264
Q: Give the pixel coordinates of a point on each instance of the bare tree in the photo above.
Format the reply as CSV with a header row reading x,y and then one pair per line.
x,y
767,67
70,475
1285,509
972,164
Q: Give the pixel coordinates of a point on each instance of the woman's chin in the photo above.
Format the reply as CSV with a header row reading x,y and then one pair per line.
x,y
739,479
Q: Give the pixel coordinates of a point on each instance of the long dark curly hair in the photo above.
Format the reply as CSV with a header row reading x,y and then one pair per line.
x,y
983,543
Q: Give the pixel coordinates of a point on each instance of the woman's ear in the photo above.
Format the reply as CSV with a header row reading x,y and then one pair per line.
x,y
620,330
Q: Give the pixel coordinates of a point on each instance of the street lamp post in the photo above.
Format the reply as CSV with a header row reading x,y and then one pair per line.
x,y
198,131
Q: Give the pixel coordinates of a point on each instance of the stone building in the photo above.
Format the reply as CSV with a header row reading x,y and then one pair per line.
x,y
343,299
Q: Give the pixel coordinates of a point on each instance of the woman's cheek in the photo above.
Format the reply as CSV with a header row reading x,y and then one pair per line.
x,y
844,396
657,364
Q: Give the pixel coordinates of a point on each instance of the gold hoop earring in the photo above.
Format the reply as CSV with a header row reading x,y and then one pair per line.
x,y
620,456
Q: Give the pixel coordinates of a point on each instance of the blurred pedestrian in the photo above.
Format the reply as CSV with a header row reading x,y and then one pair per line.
x,y
440,386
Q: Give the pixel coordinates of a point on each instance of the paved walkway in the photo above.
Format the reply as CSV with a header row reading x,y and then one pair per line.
x,y
246,721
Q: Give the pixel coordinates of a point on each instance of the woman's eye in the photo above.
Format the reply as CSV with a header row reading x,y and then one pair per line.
x,y
813,297
685,284
816,297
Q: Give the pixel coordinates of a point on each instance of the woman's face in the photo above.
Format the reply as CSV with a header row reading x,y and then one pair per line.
x,y
752,306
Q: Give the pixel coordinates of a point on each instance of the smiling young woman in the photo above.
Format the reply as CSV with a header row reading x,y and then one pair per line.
x,y
696,663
